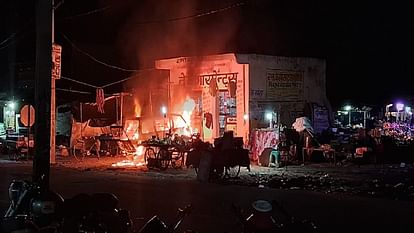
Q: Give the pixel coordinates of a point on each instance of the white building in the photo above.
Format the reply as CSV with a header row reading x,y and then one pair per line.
x,y
234,91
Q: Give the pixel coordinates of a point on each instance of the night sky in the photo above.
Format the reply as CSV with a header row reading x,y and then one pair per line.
x,y
368,46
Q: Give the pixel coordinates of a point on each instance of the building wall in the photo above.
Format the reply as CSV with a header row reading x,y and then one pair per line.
x,y
191,76
284,85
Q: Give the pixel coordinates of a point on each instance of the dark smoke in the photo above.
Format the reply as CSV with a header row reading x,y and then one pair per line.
x,y
149,31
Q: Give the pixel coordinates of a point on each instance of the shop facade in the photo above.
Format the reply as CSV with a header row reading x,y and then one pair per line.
x,y
239,92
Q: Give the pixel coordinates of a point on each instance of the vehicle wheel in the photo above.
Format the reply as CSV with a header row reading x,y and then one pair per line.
x,y
163,158
177,159
13,155
232,172
149,154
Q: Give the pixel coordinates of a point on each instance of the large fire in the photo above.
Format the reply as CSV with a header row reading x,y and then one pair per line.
x,y
187,109
131,130
137,161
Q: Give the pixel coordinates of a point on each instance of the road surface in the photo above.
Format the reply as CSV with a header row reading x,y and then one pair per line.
x,y
145,196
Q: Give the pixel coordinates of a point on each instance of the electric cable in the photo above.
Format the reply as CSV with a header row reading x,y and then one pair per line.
x,y
79,82
8,38
192,16
14,37
95,59
87,13
74,91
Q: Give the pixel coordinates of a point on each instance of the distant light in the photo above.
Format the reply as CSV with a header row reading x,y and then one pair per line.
x,y
399,106
269,116
164,110
246,116
408,109
346,113
12,105
348,108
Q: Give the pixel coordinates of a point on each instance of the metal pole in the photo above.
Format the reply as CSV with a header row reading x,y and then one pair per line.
x,y
81,125
116,109
43,74
28,131
122,108
53,100
365,119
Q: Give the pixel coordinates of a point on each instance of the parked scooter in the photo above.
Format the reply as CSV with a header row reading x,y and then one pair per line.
x,y
263,220
156,225
33,209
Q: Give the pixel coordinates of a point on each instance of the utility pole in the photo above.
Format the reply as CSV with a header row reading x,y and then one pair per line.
x,y
53,100
53,92
41,161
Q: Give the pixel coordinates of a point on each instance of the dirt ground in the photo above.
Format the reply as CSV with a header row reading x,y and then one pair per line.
x,y
391,181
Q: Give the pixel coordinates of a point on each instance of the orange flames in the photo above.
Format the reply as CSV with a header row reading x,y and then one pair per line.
x,y
137,108
131,130
137,161
187,109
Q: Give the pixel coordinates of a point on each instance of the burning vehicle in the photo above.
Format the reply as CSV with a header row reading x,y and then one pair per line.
x,y
144,128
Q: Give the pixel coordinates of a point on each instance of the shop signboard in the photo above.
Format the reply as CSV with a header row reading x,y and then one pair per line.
x,y
284,85
56,60
221,79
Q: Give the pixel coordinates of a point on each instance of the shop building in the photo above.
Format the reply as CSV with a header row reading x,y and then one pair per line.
x,y
242,92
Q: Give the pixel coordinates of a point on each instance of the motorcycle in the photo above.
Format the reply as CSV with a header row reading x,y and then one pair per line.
x,y
35,210
157,225
262,219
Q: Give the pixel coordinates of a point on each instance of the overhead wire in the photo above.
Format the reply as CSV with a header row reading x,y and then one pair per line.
x,y
87,13
109,84
74,91
193,16
12,38
126,79
145,22
79,82
8,38
125,69
96,59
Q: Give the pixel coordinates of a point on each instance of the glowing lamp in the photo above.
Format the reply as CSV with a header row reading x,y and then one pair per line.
x,y
348,108
246,116
269,116
164,110
12,105
399,106
408,109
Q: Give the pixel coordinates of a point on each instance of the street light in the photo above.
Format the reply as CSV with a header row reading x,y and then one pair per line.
x,y
269,117
399,107
12,105
164,113
348,109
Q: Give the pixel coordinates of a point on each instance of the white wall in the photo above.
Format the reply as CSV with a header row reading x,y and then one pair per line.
x,y
312,89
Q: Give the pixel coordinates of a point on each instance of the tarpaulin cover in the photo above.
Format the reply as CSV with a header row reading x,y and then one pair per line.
x,y
262,139
302,123
90,112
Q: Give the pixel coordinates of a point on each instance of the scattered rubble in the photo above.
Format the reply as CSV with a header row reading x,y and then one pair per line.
x,y
387,181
